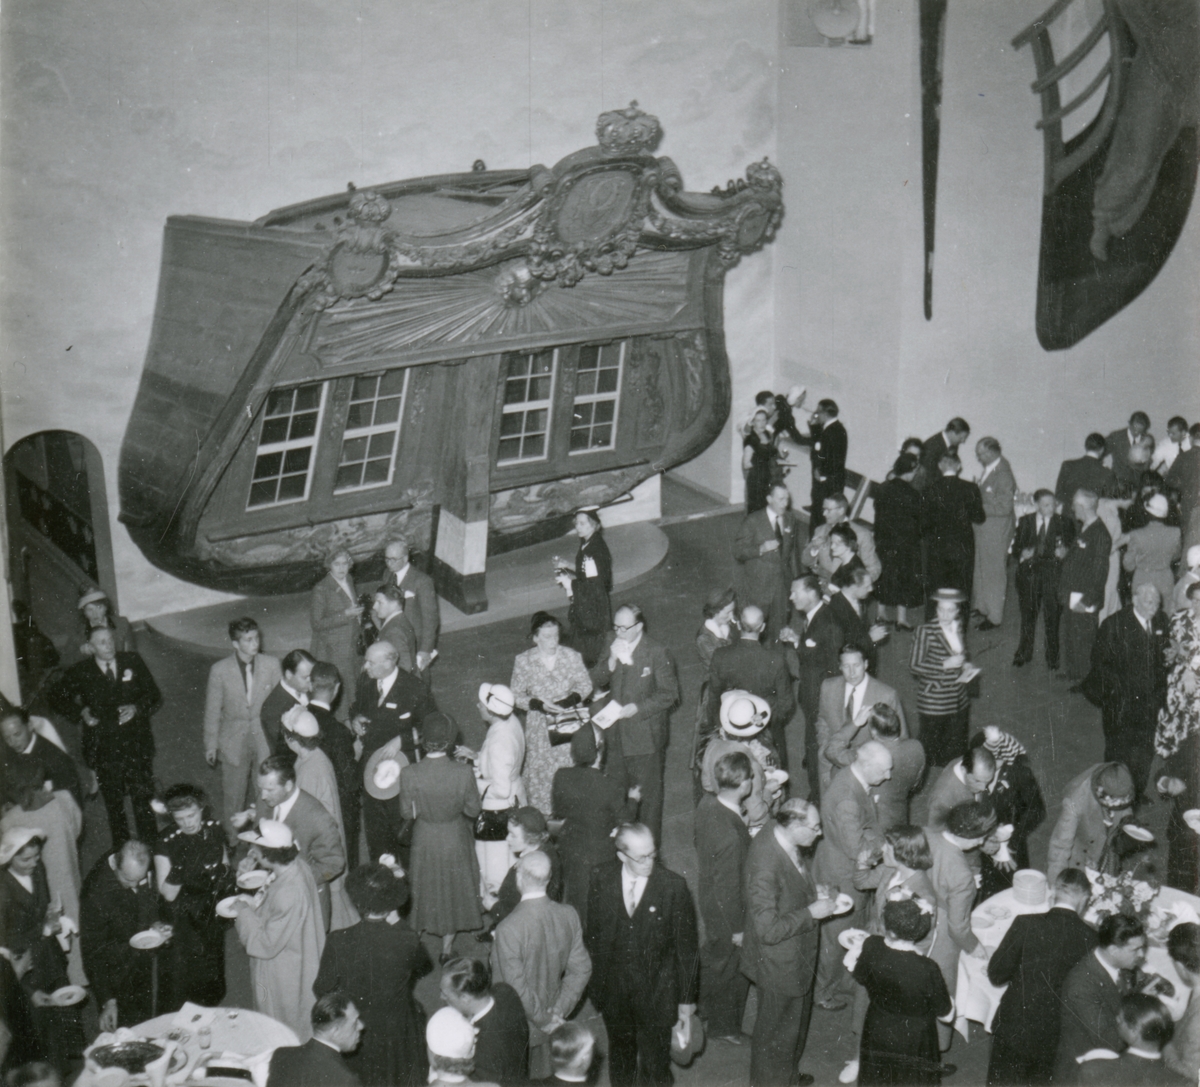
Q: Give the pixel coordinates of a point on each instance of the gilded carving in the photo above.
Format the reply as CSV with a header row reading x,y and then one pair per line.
x,y
541,501
629,131
693,357
646,365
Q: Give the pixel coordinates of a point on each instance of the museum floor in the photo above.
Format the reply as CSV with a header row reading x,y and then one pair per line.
x,y
1062,732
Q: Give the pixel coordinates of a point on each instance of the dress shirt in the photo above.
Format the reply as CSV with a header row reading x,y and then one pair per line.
x,y
284,809
773,517
24,881
988,471
623,650
108,668
632,889
854,697
1113,972
385,685
533,894
1143,623
953,636
301,698
330,1044
402,573
790,849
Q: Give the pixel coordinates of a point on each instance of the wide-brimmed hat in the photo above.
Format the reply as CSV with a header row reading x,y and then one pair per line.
x,y
497,698
948,596
450,1034
271,833
381,775
15,839
92,596
438,731
685,1054
743,714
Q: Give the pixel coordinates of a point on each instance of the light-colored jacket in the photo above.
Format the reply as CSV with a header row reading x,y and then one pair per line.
x,y
499,765
229,716
1080,834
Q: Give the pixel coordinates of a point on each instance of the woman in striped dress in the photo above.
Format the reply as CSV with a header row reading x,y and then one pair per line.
x,y
939,662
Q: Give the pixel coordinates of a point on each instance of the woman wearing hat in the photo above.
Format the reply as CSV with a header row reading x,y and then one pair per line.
x,y
191,863
376,963
284,933
334,613
939,664
450,1042
440,796
545,679
743,722
1152,549
96,612
589,586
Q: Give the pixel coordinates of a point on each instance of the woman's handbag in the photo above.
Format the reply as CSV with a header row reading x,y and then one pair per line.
x,y
492,826
562,728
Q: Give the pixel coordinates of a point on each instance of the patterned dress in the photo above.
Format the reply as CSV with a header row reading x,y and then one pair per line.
x,y
533,678
1181,715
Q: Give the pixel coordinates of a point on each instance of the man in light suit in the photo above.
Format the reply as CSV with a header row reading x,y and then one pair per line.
x,y
640,676
767,550
337,1029
539,951
393,624
780,947
1094,806
237,687
998,487
293,689
884,724
852,831
1086,473
641,935
420,599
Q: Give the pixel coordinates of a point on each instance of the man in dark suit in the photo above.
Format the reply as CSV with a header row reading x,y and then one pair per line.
x,y
1081,583
337,1029
1033,960
748,665
1040,535
389,703
1086,473
337,741
818,641
392,624
1145,1026
293,689
1184,479
848,591
1120,443
1128,681
24,748
496,1011
767,550
641,935
640,676
827,437
957,431
782,935
722,842
420,599
1092,990
113,696
949,507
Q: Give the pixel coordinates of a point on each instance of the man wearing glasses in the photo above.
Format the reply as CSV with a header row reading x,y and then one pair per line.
x,y
640,677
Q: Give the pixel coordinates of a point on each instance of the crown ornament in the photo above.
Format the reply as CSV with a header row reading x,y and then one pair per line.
x,y
628,131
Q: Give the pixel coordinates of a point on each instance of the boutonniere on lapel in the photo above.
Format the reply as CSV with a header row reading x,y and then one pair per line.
x,y
127,676
409,594
1082,544
653,909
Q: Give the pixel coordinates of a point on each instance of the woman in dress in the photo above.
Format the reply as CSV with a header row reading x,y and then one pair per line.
x,y
376,963
937,662
441,798
907,997
334,613
898,542
589,587
759,462
589,806
191,863
545,679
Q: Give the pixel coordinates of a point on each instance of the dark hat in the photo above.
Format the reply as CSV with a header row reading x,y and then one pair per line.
x,y
972,819
583,746
438,731
375,888
684,1054
1112,785
531,820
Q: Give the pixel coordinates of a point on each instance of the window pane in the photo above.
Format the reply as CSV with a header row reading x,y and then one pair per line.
x,y
308,397
585,383
589,356
539,388
296,460
514,390
364,388
347,476
268,464
262,494
274,431
279,402
303,426
607,381
534,446
387,411
582,415
291,488
543,363
602,436
358,416
354,449
579,440
392,383
535,420
381,444
604,410
376,471
511,422
510,449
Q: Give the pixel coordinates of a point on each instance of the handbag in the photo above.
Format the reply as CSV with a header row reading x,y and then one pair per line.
x,y
563,728
492,826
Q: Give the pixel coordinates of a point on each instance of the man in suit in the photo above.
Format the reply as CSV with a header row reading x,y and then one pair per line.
x,y
496,1012
1038,539
337,741
337,1029
24,748
113,696
957,431
1128,681
314,831
961,781
389,703
817,556
1183,1052
539,951
1091,993
1145,1027
767,550
949,507
818,639
237,688
641,934
1086,473
827,437
749,665
293,689
1033,960
722,842
1184,479
420,599
640,676
780,946
883,723
852,836
1094,806
1120,443
393,626
1081,584
849,589
997,488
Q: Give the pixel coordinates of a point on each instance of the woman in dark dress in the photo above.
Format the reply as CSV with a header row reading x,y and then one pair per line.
x,y
898,542
191,862
759,462
589,586
908,995
376,963
590,806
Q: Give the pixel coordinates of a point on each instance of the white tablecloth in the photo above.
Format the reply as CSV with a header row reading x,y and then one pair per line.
x,y
977,999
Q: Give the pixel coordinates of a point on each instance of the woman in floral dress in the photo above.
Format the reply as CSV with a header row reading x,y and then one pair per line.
x,y
546,677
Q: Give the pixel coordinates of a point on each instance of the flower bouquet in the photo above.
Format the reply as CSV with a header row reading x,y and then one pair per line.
x,y
1119,894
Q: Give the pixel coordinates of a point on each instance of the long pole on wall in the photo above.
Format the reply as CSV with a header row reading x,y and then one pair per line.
x,y
10,685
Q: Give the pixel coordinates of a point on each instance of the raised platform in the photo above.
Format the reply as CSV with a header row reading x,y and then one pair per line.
x,y
518,584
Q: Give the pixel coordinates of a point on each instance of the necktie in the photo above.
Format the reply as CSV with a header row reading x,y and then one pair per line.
x,y
110,670
1126,981
849,720
631,899
1041,546
379,685
779,531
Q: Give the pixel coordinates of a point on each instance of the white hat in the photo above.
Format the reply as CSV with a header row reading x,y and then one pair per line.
x,y
92,596
1157,506
301,722
1193,556
744,714
497,698
15,839
271,833
449,1034
796,394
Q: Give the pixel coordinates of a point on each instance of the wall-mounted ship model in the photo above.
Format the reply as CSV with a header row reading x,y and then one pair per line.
x,y
461,358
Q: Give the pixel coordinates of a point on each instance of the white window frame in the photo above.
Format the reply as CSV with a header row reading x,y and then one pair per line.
x,y
369,432
525,406
595,398
284,447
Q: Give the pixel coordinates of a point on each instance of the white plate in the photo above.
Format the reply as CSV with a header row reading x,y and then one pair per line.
x,y
68,995
982,920
998,912
1138,834
1192,818
253,879
226,907
147,939
843,903
852,937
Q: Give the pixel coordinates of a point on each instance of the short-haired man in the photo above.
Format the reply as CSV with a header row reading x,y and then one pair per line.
x,y
237,688
293,689
882,722
496,1012
767,551
1037,543
336,1028
572,1053
1088,834
1120,444
1086,473
816,556
962,780
829,442
946,441
1081,584
393,625
849,589
23,749
950,506
1145,1027
1182,1055
420,599
1177,441
997,487
337,741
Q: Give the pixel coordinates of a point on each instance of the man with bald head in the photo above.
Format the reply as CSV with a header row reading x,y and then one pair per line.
x,y
1128,681
539,951
1081,583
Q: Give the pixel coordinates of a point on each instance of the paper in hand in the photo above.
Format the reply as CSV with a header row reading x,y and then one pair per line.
x,y
605,717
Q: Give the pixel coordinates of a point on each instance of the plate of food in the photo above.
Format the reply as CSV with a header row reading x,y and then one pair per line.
x,y
843,903
68,995
227,907
147,940
1138,834
132,1055
254,879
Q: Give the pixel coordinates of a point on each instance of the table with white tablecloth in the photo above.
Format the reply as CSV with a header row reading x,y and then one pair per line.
x,y
976,999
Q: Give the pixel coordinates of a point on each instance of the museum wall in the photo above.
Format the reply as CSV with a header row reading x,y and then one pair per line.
x,y
118,115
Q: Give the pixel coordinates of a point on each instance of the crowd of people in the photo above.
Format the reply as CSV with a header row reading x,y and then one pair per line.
x,y
354,823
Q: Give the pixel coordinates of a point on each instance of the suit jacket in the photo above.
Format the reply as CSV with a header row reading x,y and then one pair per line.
x,y
908,768
829,447
1083,474
1045,562
539,951
502,1044
997,491
954,884
949,507
1129,1070
931,452
1089,1000
508,897
851,824
1128,679
817,656
421,607
274,706
650,961
1033,960
399,632
1117,447
855,628
109,743
831,723
1080,834
407,704
1085,567
228,716
316,835
779,950
948,792
748,665
58,766
313,1064
650,682
337,741
765,578
722,842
